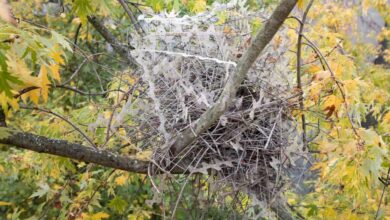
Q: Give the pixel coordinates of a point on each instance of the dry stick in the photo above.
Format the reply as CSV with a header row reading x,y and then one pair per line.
x,y
137,27
64,119
339,86
383,194
76,71
299,82
263,37
28,89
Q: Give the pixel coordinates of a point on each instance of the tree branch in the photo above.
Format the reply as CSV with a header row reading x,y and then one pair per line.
x,y
74,151
3,123
299,65
137,27
124,52
263,37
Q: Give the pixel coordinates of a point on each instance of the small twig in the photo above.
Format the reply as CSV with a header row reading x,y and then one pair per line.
x,y
75,72
28,89
299,82
383,194
76,36
64,119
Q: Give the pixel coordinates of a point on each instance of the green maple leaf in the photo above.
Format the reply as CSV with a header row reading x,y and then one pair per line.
x,y
82,8
6,78
118,204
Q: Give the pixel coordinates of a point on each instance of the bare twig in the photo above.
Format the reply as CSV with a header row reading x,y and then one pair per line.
x,y
299,83
64,119
383,194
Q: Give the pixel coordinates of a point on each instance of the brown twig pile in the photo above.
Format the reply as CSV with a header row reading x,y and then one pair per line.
x,y
186,62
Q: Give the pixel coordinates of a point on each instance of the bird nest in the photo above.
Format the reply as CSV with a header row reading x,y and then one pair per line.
x,y
185,64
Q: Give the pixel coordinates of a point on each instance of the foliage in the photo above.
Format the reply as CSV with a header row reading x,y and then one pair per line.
x,y
346,105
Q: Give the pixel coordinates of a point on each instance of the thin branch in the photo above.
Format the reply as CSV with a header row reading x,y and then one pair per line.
x,y
28,89
382,195
86,93
75,72
124,52
299,64
137,26
64,119
263,37
76,36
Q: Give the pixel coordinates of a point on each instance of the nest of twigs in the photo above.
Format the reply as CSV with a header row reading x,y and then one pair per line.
x,y
186,62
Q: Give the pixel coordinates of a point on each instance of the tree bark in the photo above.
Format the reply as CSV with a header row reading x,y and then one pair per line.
x,y
74,151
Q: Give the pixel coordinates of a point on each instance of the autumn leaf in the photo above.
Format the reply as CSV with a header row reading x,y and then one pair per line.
x,y
6,79
55,71
96,216
332,104
144,155
198,6
18,68
300,4
121,180
44,80
56,55
386,118
2,203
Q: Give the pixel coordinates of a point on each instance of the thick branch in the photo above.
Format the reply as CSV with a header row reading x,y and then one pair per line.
x,y
263,37
124,52
74,151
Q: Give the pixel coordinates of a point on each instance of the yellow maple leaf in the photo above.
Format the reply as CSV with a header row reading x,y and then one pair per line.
x,y
18,68
99,215
44,81
33,95
322,75
199,5
121,180
96,216
55,71
300,4
386,118
314,69
144,155
2,203
332,104
56,55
